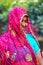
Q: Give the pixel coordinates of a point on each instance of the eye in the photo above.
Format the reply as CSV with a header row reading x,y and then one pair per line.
x,y
22,20
26,21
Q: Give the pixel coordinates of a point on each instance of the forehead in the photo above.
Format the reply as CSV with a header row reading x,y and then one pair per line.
x,y
25,17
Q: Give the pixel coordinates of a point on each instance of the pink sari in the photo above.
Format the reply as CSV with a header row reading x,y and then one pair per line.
x,y
16,50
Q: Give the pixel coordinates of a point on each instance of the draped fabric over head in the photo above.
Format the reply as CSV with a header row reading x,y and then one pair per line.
x,y
14,21
15,17
18,40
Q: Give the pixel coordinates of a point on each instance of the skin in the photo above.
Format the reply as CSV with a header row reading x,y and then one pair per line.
x,y
23,25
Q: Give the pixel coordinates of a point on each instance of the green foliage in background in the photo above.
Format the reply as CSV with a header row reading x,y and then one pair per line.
x,y
5,7
36,14
35,10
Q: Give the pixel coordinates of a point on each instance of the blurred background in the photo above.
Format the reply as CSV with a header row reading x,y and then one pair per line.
x,y
35,12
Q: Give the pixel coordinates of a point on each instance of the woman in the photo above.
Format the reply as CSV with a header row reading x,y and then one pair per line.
x,y
18,46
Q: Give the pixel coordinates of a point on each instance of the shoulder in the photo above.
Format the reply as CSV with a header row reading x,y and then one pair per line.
x,y
31,37
33,43
32,40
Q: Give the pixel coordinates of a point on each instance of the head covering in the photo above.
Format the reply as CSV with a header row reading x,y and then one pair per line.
x,y
15,17
14,21
18,40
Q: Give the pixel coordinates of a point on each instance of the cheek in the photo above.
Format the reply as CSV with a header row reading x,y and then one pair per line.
x,y
22,24
26,24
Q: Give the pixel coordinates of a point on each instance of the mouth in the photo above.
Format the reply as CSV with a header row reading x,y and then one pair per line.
x,y
24,26
24,29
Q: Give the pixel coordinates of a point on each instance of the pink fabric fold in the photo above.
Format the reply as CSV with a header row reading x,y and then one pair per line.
x,y
12,44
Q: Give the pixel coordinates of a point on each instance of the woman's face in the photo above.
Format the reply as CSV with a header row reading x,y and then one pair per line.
x,y
24,23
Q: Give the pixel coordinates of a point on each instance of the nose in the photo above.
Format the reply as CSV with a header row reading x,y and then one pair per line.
x,y
26,24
